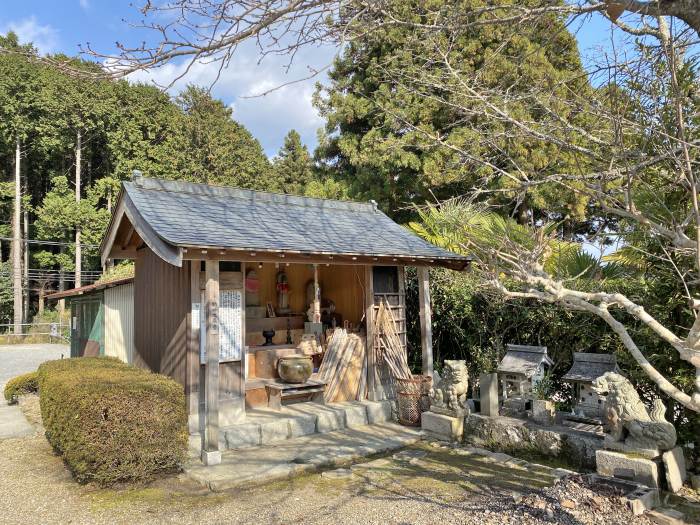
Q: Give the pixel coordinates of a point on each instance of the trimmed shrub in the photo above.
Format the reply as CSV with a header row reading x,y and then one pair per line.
x,y
112,422
20,385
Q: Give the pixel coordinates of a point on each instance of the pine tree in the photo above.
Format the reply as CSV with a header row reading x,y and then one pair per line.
x,y
292,166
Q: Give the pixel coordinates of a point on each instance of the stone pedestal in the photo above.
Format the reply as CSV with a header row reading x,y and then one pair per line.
x,y
674,468
624,466
442,426
543,412
488,385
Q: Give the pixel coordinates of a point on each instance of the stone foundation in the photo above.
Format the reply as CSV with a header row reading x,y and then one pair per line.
x,y
442,426
576,448
625,466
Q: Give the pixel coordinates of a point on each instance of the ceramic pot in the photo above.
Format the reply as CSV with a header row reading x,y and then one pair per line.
x,y
295,368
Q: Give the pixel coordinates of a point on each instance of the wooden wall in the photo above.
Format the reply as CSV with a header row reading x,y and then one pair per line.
x,y
343,284
161,308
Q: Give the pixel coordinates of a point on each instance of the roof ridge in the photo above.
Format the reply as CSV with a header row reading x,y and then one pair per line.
x,y
199,188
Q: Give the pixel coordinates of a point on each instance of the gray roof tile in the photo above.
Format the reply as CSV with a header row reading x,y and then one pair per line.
x,y
187,214
588,367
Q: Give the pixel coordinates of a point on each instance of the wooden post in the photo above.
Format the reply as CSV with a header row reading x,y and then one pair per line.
x,y
211,455
317,297
372,379
193,359
426,328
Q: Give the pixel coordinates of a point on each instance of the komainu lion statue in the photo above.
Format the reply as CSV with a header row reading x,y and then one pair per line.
x,y
450,394
627,417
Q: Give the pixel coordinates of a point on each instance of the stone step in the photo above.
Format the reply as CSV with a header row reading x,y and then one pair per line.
x,y
267,427
292,457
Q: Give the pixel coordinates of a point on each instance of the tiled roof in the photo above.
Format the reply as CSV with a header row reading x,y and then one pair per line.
x,y
185,214
588,367
522,359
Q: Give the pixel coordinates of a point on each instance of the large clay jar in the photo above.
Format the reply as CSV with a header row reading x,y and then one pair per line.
x,y
295,368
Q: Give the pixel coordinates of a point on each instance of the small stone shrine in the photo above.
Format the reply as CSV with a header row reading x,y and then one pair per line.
x,y
518,372
641,445
585,369
448,402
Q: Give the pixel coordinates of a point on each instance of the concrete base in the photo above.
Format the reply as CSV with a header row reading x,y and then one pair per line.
x,y
674,468
442,426
259,465
266,427
624,466
211,457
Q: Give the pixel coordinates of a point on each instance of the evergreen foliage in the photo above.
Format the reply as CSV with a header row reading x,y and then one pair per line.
x,y
292,166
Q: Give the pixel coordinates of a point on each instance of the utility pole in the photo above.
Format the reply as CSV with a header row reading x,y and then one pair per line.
x,y
78,250
25,273
17,245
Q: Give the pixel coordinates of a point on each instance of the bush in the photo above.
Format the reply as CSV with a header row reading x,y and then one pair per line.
x,y
20,385
112,422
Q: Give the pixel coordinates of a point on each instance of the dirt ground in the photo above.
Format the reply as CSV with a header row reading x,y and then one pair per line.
x,y
422,484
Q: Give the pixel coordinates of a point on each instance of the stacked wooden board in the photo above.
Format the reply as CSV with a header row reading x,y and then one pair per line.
x,y
391,350
343,368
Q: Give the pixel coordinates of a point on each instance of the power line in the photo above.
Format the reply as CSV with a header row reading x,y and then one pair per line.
x,y
49,243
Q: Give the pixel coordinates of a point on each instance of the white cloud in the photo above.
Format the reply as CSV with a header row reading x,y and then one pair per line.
x,y
44,37
268,117
85,4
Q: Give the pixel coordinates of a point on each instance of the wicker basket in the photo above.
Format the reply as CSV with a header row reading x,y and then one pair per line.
x,y
412,398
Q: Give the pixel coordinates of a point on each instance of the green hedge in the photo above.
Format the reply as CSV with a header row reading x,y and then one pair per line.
x,y
112,422
20,385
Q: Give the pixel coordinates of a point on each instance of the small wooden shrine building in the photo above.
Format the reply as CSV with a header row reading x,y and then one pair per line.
x,y
585,369
522,368
215,267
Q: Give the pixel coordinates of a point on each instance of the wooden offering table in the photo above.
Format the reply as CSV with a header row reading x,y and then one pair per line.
x,y
277,391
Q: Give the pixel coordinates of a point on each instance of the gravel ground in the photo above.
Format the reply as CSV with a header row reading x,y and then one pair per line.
x,y
20,359
423,484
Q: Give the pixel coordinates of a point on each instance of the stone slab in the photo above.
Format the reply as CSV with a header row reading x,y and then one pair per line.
x,y
674,468
488,385
377,411
255,466
330,420
443,426
302,425
624,466
242,436
355,415
231,411
274,431
13,424
695,481
666,516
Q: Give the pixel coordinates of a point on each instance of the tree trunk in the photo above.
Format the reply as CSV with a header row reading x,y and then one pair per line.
x,y
17,244
78,250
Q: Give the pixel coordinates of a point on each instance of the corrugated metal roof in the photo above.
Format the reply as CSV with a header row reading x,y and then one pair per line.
x,y
522,359
185,214
588,367
89,288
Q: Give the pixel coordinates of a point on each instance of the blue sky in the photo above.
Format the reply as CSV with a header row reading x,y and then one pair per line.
x,y
62,25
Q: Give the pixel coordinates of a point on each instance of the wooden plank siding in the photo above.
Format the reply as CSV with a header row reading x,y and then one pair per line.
x,y
161,308
119,322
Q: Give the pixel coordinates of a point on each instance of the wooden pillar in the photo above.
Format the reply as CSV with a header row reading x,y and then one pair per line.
x,y
426,328
372,377
193,359
317,297
211,455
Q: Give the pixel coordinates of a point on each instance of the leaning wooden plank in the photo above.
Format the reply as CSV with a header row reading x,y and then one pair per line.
x,y
362,386
330,359
349,377
338,376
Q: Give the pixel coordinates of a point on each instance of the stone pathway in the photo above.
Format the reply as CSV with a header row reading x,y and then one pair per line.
x,y
16,360
255,466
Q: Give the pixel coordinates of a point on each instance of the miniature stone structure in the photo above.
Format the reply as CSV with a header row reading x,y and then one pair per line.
x,y
585,369
631,427
448,403
449,396
521,369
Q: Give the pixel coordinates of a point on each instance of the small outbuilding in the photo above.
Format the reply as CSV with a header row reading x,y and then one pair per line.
x,y
102,319
522,368
585,369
